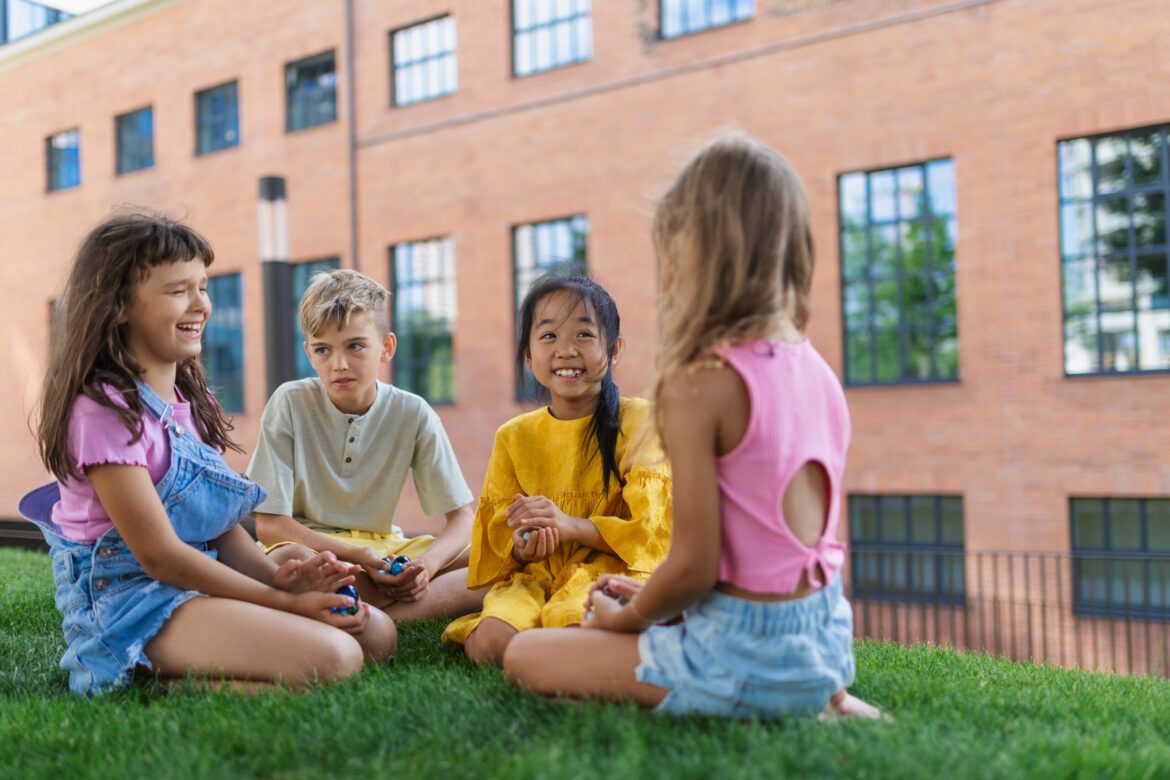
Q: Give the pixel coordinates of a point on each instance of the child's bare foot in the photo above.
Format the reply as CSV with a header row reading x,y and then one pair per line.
x,y
844,705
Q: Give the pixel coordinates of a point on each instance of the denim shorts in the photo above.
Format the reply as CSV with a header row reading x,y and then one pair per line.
x,y
750,659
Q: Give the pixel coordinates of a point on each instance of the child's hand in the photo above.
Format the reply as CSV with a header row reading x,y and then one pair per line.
x,y
316,605
373,565
541,543
322,572
408,585
540,511
614,586
610,614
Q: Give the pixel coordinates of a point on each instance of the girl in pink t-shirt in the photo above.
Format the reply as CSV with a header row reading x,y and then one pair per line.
x,y
152,569
756,428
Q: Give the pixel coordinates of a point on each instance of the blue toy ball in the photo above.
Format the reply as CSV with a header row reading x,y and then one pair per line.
x,y
397,564
351,591
526,534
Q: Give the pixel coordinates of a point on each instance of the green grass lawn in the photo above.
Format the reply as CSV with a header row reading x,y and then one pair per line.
x,y
434,715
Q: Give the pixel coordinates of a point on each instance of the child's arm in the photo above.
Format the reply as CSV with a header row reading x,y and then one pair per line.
x,y
321,572
271,529
449,544
128,496
640,536
492,541
693,408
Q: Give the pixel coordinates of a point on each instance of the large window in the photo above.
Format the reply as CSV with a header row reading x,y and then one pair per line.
x,y
423,274
223,341
135,140
547,34
907,548
1114,253
63,160
301,274
1121,556
540,247
19,18
898,234
424,64
311,92
679,17
217,119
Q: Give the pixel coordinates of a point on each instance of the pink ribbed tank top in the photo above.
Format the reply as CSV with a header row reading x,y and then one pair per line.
x,y
798,415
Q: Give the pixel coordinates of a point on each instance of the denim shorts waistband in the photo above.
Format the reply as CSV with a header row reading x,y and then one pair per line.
x,y
771,617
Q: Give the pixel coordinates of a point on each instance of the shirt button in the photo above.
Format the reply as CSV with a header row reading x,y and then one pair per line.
x,y
347,460
352,440
351,419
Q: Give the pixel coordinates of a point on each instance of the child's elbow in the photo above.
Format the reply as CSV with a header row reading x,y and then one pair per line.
x,y
265,528
462,519
700,576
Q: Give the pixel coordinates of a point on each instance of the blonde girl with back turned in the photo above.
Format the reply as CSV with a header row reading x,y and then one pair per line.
x,y
756,428
152,569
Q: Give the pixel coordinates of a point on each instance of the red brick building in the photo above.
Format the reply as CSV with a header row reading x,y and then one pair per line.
x,y
449,129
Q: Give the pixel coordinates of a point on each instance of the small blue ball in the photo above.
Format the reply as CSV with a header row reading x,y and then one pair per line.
x,y
351,591
395,568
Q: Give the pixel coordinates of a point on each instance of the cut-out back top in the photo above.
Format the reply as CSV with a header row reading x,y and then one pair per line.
x,y
798,416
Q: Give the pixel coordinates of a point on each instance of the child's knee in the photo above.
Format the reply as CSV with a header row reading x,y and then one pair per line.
x,y
487,643
380,639
518,657
335,656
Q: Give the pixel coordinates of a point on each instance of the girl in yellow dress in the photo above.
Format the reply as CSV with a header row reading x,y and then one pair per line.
x,y
571,492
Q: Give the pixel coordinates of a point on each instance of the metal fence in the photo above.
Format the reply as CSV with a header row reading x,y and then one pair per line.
x,y
1105,612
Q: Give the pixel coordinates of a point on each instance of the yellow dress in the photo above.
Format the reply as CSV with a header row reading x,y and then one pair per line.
x,y
536,454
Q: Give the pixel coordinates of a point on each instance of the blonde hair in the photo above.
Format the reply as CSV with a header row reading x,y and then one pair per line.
x,y
735,252
335,297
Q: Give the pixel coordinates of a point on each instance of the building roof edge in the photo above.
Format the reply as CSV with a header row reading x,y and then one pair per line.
x,y
77,29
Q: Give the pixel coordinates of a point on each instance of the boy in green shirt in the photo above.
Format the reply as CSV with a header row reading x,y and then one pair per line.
x,y
334,452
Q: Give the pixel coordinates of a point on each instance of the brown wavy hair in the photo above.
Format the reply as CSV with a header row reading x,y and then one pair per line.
x,y
735,252
87,347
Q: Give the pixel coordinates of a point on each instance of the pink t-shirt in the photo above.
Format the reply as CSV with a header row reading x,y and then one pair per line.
x,y
96,436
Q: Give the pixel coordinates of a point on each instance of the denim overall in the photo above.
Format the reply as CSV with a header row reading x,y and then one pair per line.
x,y
111,607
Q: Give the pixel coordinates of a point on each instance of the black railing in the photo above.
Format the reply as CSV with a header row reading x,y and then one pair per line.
x,y
1101,611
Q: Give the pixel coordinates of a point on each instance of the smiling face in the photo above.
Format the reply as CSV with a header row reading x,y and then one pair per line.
x,y
567,353
165,319
347,359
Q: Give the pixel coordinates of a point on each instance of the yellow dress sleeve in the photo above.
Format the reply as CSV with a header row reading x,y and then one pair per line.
x,y
491,538
642,539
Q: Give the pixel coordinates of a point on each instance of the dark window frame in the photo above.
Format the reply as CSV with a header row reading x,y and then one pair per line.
x,y
933,272
554,22
304,62
238,375
421,364
1080,555
662,36
1098,257
120,156
527,388
53,162
232,116
453,53
885,551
